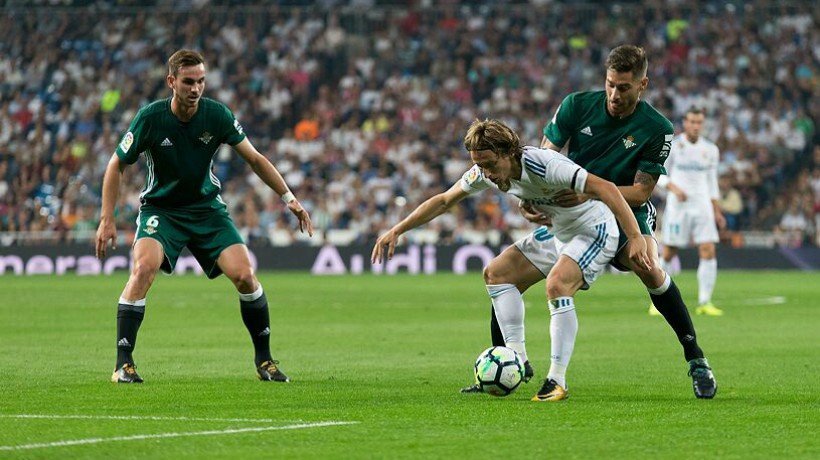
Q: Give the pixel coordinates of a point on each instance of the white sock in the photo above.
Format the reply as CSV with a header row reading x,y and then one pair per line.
x,y
707,276
563,329
509,311
253,295
667,281
135,303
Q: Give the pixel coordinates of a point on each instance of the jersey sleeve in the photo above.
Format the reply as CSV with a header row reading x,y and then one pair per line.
x,y
560,128
135,141
555,170
563,172
234,134
657,151
669,165
473,181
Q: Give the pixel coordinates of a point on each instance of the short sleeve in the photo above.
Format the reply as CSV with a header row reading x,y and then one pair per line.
x,y
473,180
657,151
135,141
560,128
563,172
234,133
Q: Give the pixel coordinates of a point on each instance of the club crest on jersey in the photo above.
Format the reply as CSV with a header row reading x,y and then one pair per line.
x,y
206,137
126,142
629,142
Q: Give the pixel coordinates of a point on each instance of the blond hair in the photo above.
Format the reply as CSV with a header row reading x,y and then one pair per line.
x,y
492,135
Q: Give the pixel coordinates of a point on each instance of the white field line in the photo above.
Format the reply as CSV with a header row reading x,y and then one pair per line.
x,y
144,417
773,300
137,437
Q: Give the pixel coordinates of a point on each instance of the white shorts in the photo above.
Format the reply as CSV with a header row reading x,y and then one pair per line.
x,y
682,225
593,249
539,248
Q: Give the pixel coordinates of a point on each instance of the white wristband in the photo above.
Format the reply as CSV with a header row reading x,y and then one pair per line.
x,y
288,197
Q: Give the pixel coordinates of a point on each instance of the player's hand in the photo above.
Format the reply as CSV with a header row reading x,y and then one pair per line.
x,y
303,216
105,232
638,253
568,198
531,214
385,247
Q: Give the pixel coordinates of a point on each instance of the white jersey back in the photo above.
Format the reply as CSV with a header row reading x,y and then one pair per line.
x,y
693,168
544,173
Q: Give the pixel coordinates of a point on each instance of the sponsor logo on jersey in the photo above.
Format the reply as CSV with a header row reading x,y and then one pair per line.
x,y
238,127
126,142
629,142
206,137
166,143
587,131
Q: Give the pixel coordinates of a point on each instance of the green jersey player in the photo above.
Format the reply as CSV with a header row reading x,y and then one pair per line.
x,y
615,135
181,206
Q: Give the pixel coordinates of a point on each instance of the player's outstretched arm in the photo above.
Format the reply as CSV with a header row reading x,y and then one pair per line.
x,y
425,212
608,193
263,168
107,231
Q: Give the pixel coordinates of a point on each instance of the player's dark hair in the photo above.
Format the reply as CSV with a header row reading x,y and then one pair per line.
x,y
492,135
183,58
628,58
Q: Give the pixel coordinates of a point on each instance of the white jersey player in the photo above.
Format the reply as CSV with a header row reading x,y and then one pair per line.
x,y
585,236
692,213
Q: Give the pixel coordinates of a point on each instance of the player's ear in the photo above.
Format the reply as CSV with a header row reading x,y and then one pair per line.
x,y
169,80
644,83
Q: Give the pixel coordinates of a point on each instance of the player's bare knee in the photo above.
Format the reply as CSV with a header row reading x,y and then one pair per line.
x,y
706,251
494,275
561,283
143,272
557,287
245,280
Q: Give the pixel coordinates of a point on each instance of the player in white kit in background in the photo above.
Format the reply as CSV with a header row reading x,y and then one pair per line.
x,y
586,235
692,213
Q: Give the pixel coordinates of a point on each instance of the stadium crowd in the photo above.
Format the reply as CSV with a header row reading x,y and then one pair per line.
x,y
362,107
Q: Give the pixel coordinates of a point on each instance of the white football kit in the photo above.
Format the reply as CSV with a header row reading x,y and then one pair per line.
x,y
693,168
586,233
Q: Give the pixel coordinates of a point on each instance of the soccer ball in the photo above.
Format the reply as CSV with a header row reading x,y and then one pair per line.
x,y
499,370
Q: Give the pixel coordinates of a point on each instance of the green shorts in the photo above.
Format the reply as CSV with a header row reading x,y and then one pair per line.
x,y
646,216
205,233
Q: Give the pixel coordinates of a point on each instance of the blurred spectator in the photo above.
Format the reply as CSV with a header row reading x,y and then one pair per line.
x,y
731,203
358,109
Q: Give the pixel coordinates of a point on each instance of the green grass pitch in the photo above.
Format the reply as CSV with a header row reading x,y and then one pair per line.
x,y
388,354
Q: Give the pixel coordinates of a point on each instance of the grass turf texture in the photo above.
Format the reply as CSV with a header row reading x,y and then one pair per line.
x,y
391,354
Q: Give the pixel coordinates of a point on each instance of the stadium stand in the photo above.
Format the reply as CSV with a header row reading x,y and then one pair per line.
x,y
361,102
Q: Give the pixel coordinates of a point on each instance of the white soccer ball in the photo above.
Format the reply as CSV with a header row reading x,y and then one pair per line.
x,y
499,370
